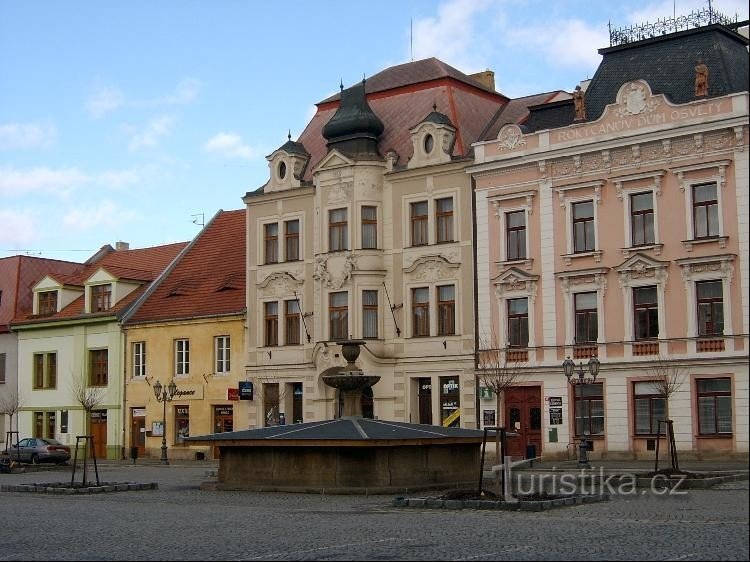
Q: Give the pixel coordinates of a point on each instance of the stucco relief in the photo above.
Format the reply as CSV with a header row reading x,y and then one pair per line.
x,y
723,267
513,280
431,268
593,279
641,267
634,98
510,137
333,270
342,193
279,284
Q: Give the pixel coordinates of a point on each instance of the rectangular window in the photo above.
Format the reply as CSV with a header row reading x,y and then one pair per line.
x,y
420,311
705,211
39,425
291,236
182,357
583,227
101,297
181,422
515,235
444,219
589,409
45,370
291,322
50,423
222,352
645,313
2,368
337,230
338,311
418,217
642,218
446,310
649,408
714,406
271,243
518,322
710,303
369,314
586,321
139,359
48,302
98,367
271,323
369,228
64,421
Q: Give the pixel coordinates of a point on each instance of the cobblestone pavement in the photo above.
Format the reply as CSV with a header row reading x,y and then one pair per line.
x,y
179,521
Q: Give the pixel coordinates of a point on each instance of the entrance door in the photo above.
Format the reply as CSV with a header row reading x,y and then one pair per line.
x,y
223,422
98,425
523,415
138,430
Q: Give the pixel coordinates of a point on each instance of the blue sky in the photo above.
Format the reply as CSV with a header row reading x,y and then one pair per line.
x,y
126,120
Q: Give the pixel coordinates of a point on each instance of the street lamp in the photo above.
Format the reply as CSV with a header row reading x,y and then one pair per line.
x,y
580,378
164,394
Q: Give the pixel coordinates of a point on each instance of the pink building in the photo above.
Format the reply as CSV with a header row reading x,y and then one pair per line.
x,y
614,225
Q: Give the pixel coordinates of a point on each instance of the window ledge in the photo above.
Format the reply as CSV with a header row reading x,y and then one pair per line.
x,y
596,254
657,248
721,240
716,436
525,263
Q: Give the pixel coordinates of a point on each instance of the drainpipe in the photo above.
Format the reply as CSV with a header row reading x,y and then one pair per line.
x,y
124,401
476,297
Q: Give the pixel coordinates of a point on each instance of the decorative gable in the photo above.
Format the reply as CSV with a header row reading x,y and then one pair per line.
x,y
641,266
432,140
286,167
514,280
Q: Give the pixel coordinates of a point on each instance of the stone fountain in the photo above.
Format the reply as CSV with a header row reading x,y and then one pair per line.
x,y
349,454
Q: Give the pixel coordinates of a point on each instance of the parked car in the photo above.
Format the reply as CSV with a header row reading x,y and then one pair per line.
x,y
36,450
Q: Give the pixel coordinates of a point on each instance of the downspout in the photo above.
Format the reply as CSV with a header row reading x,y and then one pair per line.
x,y
476,297
124,402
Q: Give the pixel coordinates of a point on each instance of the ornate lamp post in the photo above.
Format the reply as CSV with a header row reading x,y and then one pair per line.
x,y
580,378
164,394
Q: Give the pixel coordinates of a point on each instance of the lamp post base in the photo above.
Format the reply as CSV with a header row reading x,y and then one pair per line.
x,y
164,459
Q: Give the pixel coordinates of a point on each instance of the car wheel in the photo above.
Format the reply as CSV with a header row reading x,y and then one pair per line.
x,y
34,459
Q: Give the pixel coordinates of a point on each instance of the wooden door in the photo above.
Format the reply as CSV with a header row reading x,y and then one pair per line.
x,y
98,429
523,415
138,433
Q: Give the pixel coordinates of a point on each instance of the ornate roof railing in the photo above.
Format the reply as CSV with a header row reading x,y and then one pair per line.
x,y
704,16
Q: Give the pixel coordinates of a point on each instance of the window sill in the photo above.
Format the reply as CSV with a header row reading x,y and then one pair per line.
x,y
657,248
596,254
526,263
716,436
721,240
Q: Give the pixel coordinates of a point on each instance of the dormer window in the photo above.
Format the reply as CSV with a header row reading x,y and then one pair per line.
x,y
101,297
429,143
47,302
282,170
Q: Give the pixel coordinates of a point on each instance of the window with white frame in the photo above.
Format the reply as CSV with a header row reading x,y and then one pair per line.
x,y
586,317
139,358
101,297
643,282
583,294
369,227
222,353
710,307
369,313
182,357
291,322
584,238
642,219
714,406
705,211
420,311
708,281
47,302
518,322
271,243
515,235
446,307
338,228
291,240
702,185
649,407
645,313
270,324
444,220
515,293
418,218
338,315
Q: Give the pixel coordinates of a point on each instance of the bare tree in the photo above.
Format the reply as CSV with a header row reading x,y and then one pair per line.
x,y
496,372
10,405
667,378
89,397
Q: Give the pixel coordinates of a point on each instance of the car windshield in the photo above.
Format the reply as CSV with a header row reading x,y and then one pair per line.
x,y
50,441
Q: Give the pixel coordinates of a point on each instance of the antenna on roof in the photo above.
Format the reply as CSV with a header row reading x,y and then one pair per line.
x,y
289,135
341,84
202,219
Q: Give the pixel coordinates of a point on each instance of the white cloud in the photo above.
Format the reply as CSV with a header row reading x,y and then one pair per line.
x,y
104,100
558,48
102,213
229,145
451,35
186,92
14,182
26,135
19,228
151,133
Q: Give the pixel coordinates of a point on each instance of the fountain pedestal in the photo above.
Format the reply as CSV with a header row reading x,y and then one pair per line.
x,y
351,381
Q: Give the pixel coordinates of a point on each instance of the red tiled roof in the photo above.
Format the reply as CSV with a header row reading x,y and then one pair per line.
x,y
18,274
208,279
142,264
402,96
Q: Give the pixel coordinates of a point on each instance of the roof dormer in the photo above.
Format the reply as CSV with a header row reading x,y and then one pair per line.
x,y
104,289
433,140
287,166
51,295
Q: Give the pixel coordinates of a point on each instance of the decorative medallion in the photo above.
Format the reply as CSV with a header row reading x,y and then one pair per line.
x,y
510,137
333,270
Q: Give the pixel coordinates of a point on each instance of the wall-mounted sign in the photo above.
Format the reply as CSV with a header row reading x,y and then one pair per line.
x,y
555,401
157,429
189,392
233,393
555,416
485,392
246,390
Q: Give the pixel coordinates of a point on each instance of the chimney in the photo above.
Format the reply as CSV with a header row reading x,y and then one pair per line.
x,y
486,78
120,246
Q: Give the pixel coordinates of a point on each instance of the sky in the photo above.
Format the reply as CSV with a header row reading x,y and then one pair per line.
x,y
138,121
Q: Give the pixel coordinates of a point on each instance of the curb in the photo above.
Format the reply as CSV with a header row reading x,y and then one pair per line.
x,y
517,505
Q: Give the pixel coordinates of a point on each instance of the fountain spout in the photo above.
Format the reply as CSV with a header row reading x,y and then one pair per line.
x,y
350,380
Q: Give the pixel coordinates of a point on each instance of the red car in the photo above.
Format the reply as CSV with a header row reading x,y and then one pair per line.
x,y
36,450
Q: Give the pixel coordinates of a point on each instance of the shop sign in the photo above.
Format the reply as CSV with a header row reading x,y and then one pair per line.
x,y
189,392
485,392
555,401
233,393
246,390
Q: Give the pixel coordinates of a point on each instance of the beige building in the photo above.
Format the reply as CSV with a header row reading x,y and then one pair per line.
x,y
364,231
615,226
